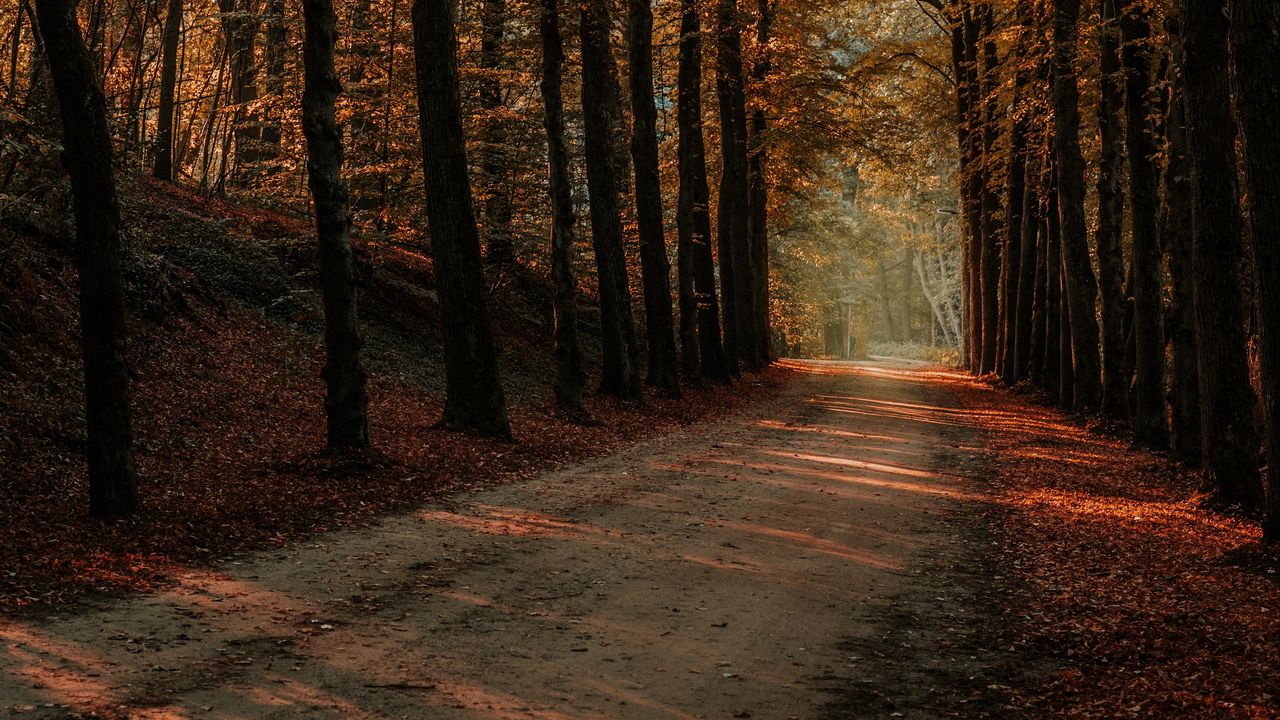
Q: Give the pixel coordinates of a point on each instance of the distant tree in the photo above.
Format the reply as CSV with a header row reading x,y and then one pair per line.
x,y
473,386
693,218
655,268
163,168
113,480
494,165
570,379
1230,440
621,372
1255,55
346,405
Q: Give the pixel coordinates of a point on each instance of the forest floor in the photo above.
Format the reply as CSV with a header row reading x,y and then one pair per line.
x,y
726,570
869,540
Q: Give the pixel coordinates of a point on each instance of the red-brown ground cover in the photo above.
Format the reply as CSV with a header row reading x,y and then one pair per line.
x,y
1128,595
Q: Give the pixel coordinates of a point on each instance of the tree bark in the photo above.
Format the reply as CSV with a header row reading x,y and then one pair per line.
x,y
1081,284
346,404
989,253
1230,447
494,164
570,378
1175,236
1115,375
1015,211
1026,285
1053,349
758,190
165,120
1255,55
621,373
473,385
1151,424
113,479
735,249
697,266
654,266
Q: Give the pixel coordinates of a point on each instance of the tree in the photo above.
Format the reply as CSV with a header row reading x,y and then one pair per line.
x,y
1151,425
1174,224
493,162
570,379
1115,376
1080,283
163,168
473,387
1255,54
693,217
1230,441
736,272
655,268
621,372
113,480
758,192
346,405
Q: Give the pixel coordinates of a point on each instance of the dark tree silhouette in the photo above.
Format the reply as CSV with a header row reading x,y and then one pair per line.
x,y
113,480
346,405
473,387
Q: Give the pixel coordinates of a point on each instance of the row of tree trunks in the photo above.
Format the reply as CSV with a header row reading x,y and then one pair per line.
x,y
758,193
1200,402
734,244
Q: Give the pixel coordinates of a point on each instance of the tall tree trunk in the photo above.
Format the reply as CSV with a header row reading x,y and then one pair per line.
x,y
694,215
165,120
990,230
494,164
1151,423
621,374
570,379
758,189
1175,236
274,50
1026,285
1053,349
1255,55
473,385
1015,212
346,405
1081,284
240,31
1066,364
1230,447
735,246
654,266
1115,376
113,480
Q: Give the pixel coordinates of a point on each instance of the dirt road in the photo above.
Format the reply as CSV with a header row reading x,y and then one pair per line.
x,y
726,571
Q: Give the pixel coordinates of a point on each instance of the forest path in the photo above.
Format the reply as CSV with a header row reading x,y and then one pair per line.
x,y
722,571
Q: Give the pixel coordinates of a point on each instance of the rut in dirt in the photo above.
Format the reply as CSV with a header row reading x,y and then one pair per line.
x,y
723,571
